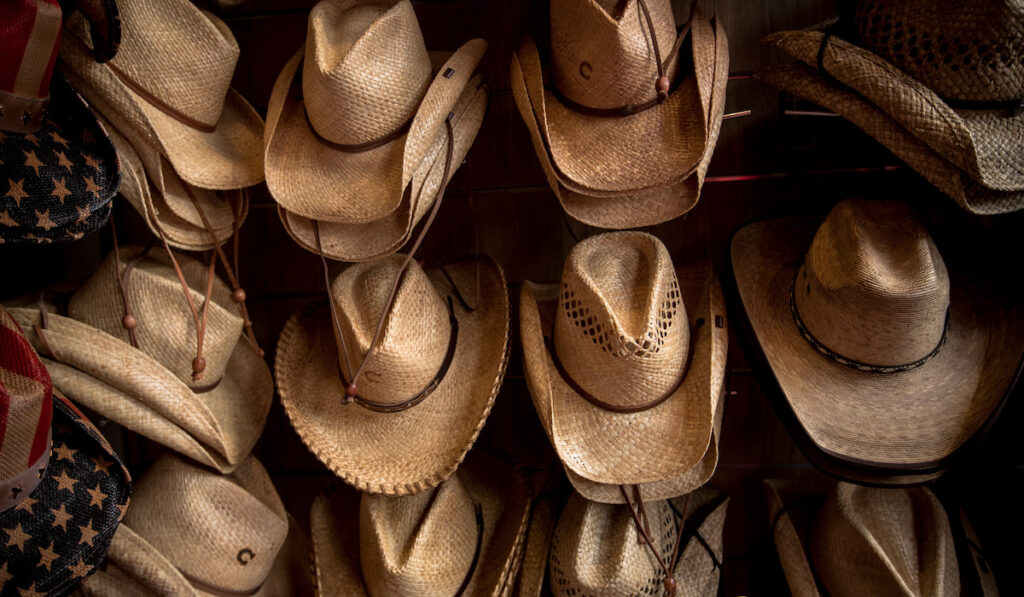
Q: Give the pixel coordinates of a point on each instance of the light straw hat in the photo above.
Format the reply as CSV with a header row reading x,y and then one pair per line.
x,y
171,206
866,541
889,361
537,546
591,160
439,365
464,537
214,420
344,137
597,550
169,86
191,531
952,74
636,335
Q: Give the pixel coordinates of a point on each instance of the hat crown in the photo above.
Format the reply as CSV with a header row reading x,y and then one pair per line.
x,y
223,530
173,53
365,70
420,544
29,37
621,330
961,49
602,52
166,329
876,541
873,287
414,341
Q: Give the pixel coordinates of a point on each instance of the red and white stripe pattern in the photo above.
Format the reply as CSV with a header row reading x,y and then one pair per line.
x,y
25,413
29,39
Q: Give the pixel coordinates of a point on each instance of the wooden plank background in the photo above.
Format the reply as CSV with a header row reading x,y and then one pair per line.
x,y
499,203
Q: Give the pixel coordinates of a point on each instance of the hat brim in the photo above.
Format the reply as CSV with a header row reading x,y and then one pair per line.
x,y
806,82
358,444
601,153
537,546
375,240
312,179
633,448
912,421
88,451
492,480
984,143
217,428
792,509
231,157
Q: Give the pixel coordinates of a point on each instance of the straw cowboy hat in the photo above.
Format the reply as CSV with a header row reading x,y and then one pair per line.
x,y
58,170
358,137
950,74
537,546
143,377
888,360
626,371
62,476
597,549
169,85
428,386
191,531
870,541
462,538
621,144
171,207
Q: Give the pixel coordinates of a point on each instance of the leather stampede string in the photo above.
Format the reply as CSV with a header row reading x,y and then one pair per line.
x,y
640,519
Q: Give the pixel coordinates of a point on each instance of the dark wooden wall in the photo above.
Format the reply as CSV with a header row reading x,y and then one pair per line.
x,y
499,203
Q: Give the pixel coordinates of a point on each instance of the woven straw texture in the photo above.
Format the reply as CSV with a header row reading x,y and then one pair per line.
x,y
637,207
624,314
231,157
912,419
375,240
309,177
190,523
806,82
423,544
150,390
537,546
984,143
359,444
597,552
863,541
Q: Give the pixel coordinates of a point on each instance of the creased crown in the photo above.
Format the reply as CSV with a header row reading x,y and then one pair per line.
x,y
166,329
365,70
621,329
416,332
180,55
873,287
602,53
961,49
224,530
421,544
884,542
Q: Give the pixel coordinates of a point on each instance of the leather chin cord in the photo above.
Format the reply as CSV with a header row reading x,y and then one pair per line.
x,y
640,519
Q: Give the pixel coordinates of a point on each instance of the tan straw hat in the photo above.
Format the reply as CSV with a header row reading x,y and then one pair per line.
x,y
537,546
426,388
169,86
888,360
191,531
597,549
951,73
143,377
171,206
603,110
630,363
344,139
462,538
867,541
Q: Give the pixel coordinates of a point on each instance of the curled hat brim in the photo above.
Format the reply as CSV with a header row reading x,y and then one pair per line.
x,y
984,143
217,428
312,179
632,448
359,445
892,424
